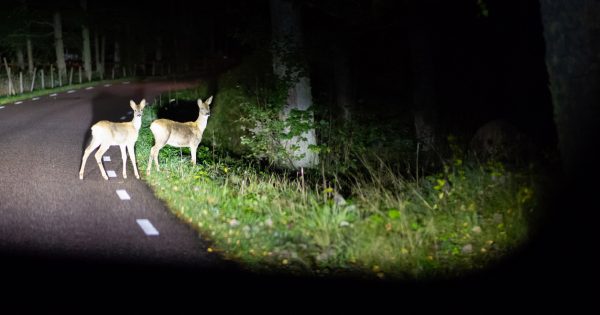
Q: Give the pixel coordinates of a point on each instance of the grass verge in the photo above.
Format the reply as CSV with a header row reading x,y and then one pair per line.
x,y
386,226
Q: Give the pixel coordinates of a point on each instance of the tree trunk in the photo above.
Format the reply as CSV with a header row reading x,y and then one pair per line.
x,y
20,58
103,57
59,46
421,52
571,30
286,41
29,55
117,55
343,82
97,53
87,51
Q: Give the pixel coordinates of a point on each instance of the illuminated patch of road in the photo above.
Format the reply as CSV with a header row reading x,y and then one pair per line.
x,y
123,194
148,228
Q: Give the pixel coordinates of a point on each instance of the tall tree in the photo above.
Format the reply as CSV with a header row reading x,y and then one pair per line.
x,y
59,45
86,51
571,30
287,66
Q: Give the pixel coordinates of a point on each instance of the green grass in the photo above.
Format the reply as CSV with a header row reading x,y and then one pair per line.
x,y
460,220
39,92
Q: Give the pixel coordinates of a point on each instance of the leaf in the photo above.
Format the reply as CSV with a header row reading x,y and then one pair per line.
x,y
393,214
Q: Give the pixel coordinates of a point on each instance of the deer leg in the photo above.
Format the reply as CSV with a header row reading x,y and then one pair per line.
x,y
99,153
124,158
130,149
91,147
193,151
156,151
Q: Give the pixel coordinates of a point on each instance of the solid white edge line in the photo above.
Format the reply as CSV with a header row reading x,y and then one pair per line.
x,y
123,194
147,227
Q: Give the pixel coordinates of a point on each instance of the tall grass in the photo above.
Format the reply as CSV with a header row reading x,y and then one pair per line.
x,y
385,225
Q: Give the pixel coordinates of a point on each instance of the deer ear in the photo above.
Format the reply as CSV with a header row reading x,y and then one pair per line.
x,y
143,104
132,104
208,101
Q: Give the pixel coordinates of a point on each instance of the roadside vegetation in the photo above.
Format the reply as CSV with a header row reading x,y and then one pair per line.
x,y
363,212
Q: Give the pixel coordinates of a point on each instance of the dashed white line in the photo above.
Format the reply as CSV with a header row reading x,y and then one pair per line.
x,y
130,112
89,87
148,228
53,94
123,194
123,117
126,82
35,98
107,85
1,107
106,158
111,173
19,102
71,91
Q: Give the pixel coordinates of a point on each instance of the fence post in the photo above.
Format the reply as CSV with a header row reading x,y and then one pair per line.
x,y
52,75
21,81
43,79
33,80
71,76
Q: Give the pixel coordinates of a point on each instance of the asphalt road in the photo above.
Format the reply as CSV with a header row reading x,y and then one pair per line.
x,y
53,222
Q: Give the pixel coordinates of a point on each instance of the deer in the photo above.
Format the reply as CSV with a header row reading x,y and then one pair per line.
x,y
179,134
124,134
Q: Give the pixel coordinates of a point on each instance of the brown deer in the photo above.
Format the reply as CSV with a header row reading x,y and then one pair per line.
x,y
178,134
124,134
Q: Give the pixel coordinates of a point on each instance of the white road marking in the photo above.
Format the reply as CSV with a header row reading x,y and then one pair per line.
x,y
35,98
123,117
89,87
70,91
147,226
1,107
111,173
123,194
107,85
130,112
19,102
106,158
126,82
53,94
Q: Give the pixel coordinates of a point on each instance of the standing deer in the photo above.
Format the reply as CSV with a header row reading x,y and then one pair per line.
x,y
178,134
106,133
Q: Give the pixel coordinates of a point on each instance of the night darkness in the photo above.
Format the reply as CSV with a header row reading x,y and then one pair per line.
x,y
464,63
